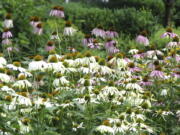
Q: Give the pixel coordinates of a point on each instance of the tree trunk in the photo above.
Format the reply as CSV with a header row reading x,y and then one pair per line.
x,y
169,4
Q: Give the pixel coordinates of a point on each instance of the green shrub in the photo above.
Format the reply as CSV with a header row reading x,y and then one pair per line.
x,y
127,20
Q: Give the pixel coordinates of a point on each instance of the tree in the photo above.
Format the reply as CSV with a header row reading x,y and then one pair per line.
x,y
169,4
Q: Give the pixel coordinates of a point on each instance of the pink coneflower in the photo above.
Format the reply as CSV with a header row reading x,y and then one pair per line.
x,y
57,11
6,41
110,43
99,32
153,65
50,46
157,73
133,68
176,74
38,29
8,22
173,44
112,50
87,40
94,45
152,53
111,33
169,33
146,82
6,34
10,49
34,21
139,55
142,38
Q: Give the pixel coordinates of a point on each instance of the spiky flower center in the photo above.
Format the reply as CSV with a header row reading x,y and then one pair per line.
x,y
38,58
17,63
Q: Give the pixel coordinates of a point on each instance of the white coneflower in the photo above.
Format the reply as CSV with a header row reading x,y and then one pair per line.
x,y
133,51
22,83
164,92
60,81
24,129
16,66
77,126
4,78
67,104
133,86
21,100
69,30
37,64
54,36
105,127
8,22
3,61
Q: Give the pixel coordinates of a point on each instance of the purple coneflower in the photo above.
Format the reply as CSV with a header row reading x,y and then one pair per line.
x,y
110,43
10,49
173,44
6,34
94,45
169,33
111,33
139,55
157,73
133,68
142,38
99,32
87,40
38,29
50,46
8,22
57,11
145,81
34,21
6,41
176,74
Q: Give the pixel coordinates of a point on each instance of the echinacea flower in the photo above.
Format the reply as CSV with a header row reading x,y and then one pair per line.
x,y
173,44
95,44
54,36
50,46
34,21
57,11
38,29
87,40
111,33
69,30
99,32
146,82
142,38
105,127
6,41
169,34
38,64
6,34
157,73
8,22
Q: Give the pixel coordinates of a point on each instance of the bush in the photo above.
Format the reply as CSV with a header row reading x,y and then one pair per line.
x,y
127,20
